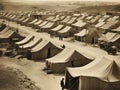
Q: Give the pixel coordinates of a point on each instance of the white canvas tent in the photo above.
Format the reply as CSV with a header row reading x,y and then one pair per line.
x,y
72,58
117,29
104,18
109,25
25,41
4,30
101,74
47,27
80,23
72,20
81,35
45,49
66,19
111,37
82,17
57,28
113,18
43,23
31,44
66,32
95,19
99,24
50,18
38,22
8,35
35,20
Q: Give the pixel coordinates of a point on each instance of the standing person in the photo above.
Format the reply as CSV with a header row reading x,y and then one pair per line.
x,y
62,83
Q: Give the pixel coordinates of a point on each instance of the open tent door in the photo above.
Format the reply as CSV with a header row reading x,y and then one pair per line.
x,y
49,53
29,55
71,83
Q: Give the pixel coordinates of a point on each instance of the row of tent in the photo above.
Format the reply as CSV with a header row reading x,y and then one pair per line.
x,y
8,35
83,70
36,48
80,29
39,49
67,26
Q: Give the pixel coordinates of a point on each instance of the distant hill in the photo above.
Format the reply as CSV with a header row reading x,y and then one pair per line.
x,y
99,9
83,6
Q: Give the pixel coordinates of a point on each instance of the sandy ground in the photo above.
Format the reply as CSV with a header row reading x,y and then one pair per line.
x,y
11,78
34,69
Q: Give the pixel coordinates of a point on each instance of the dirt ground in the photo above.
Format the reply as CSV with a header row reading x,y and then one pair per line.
x,y
13,79
31,69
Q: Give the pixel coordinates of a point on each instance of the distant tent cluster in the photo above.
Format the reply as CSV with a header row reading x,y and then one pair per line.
x,y
83,70
73,25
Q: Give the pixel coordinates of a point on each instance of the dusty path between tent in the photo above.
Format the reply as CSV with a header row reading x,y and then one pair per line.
x,y
34,71
94,51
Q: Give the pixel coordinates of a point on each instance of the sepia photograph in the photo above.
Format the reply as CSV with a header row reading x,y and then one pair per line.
x,y
59,44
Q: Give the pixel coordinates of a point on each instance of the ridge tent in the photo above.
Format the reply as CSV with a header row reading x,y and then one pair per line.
x,y
47,27
72,20
25,40
81,36
72,58
9,35
116,39
88,18
79,25
4,30
26,21
17,18
113,18
62,17
50,18
66,32
21,19
116,30
104,18
100,74
56,19
42,24
45,49
57,28
66,19
108,26
95,19
31,44
32,22
37,23
99,24
82,17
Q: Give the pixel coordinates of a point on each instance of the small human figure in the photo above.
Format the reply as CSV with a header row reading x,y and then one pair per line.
x,y
62,84
63,46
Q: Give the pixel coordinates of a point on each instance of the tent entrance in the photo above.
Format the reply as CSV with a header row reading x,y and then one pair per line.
x,y
49,53
74,84
71,83
29,55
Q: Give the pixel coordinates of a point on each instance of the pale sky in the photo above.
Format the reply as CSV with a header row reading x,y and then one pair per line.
x,y
59,0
